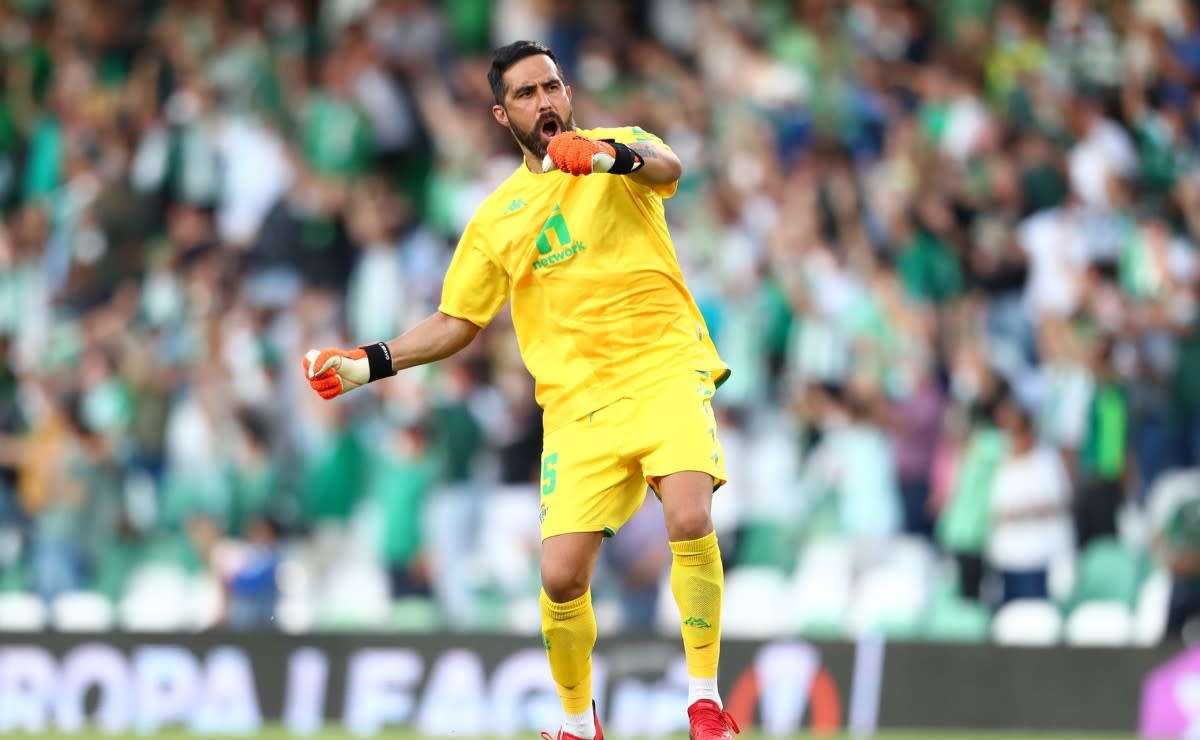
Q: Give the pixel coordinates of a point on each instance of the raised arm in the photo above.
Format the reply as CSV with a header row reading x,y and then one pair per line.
x,y
332,372
643,160
436,338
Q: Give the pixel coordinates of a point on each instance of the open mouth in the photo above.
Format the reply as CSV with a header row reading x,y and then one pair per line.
x,y
550,127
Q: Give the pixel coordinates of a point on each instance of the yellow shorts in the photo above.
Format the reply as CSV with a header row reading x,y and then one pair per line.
x,y
595,470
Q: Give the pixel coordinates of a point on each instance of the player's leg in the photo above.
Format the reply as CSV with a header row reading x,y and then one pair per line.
x,y
685,465
569,624
698,583
697,578
589,489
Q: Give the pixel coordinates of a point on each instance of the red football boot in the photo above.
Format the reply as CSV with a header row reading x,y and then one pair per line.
x,y
562,735
709,722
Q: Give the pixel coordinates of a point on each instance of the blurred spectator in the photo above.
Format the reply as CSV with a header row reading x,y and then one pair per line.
x,y
256,477
400,481
1103,152
1102,461
253,590
1178,544
968,458
248,567
851,468
1029,509
916,422
454,514
638,556
1185,390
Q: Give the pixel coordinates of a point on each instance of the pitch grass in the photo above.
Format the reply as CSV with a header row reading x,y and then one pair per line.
x,y
279,733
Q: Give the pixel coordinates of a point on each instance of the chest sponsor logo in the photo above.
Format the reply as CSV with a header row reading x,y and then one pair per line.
x,y
554,242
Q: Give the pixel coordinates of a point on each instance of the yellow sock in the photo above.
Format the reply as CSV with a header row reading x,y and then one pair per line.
x,y
697,580
569,634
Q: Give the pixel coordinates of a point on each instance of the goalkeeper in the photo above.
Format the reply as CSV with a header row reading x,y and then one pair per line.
x,y
577,240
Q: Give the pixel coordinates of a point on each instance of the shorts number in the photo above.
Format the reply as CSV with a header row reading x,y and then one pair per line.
x,y
549,477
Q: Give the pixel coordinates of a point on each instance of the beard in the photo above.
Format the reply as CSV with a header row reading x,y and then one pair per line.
x,y
533,138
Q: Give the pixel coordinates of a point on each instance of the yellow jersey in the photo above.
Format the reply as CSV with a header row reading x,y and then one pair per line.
x,y
599,304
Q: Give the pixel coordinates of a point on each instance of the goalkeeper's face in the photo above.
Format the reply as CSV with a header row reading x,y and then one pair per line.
x,y
537,103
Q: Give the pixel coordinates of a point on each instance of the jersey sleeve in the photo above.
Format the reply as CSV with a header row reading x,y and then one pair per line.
x,y
475,286
636,134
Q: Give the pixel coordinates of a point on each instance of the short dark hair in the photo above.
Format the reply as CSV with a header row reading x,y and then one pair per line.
x,y
507,56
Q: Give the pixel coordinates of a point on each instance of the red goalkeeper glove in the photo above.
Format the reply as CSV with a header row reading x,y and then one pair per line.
x,y
332,372
579,155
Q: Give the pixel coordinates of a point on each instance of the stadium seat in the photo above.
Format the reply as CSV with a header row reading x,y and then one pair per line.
x,y
890,599
295,615
750,607
358,597
156,599
1099,623
610,616
294,577
524,615
82,611
1168,491
491,611
819,594
206,597
893,595
1150,615
166,579
911,552
1109,571
415,614
1030,622
143,612
953,619
21,612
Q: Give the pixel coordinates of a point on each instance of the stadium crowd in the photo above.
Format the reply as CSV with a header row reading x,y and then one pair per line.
x,y
948,249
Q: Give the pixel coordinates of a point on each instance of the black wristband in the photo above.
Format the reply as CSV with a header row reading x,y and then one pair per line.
x,y
379,358
627,160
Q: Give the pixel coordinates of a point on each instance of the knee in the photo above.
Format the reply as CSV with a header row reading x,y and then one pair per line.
x,y
688,523
563,583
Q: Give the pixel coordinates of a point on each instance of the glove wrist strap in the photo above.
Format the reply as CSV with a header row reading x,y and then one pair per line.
x,y
379,359
627,160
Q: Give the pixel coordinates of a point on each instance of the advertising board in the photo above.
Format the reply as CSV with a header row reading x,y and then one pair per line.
x,y
463,684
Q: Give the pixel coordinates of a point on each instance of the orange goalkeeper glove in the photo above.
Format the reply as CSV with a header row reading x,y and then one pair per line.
x,y
332,372
579,155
